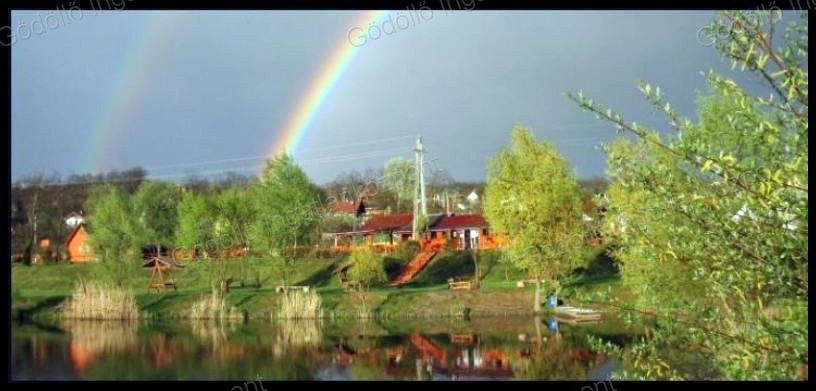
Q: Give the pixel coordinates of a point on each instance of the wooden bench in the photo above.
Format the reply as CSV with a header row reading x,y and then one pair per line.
x,y
283,288
460,284
525,283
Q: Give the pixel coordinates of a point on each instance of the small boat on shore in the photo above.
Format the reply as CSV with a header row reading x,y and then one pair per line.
x,y
577,314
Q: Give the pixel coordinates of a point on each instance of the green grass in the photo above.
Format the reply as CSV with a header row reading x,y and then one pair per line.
x,y
37,289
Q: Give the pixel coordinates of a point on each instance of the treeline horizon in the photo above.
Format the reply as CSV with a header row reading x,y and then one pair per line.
x,y
49,198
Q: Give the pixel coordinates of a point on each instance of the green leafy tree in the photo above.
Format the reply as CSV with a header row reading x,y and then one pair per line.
x,y
287,214
110,225
532,197
711,220
400,178
154,212
195,222
367,270
234,215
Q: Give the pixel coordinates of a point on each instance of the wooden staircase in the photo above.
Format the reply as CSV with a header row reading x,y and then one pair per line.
x,y
413,267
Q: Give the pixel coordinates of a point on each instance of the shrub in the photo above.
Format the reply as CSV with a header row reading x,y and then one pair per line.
x,y
100,300
368,268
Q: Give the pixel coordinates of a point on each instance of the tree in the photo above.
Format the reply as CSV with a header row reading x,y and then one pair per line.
x,y
711,220
286,205
400,178
154,213
532,197
111,233
367,270
234,215
195,222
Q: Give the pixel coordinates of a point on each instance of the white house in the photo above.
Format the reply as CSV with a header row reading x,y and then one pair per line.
x,y
74,219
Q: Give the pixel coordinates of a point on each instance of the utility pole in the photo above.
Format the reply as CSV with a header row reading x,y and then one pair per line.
x,y
419,188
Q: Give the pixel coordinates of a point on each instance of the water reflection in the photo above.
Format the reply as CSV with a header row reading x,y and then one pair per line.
x,y
502,348
91,339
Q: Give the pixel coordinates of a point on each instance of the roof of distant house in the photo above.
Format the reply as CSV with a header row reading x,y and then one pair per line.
x,y
358,206
388,222
460,221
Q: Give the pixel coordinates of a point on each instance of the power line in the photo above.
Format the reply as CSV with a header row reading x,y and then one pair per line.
x,y
263,157
318,160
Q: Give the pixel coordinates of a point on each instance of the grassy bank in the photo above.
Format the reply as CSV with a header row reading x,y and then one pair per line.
x,y
37,290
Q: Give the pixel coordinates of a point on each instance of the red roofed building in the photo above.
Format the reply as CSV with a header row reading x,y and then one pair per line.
x,y
357,209
460,232
78,248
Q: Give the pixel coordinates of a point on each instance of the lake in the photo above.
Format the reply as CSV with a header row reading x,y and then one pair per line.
x,y
494,348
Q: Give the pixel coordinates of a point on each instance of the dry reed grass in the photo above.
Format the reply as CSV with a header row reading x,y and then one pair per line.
x,y
300,305
100,300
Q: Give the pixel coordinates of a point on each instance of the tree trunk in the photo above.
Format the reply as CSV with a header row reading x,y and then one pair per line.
x,y
224,286
537,302
539,340
477,281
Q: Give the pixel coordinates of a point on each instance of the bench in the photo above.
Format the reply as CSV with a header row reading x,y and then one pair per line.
x,y
460,284
524,283
283,288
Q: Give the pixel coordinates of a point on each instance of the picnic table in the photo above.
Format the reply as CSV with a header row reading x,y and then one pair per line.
x,y
460,283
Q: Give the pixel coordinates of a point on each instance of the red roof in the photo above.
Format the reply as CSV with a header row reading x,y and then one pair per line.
x,y
387,222
460,221
357,207
345,207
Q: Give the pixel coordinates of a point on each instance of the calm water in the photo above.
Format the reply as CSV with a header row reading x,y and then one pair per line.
x,y
485,348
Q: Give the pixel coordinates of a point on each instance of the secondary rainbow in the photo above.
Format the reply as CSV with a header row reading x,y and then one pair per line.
x,y
125,93
296,127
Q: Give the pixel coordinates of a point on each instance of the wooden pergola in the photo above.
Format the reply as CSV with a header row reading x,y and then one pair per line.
x,y
160,266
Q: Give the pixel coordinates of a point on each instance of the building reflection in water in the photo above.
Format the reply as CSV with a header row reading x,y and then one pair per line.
x,y
90,339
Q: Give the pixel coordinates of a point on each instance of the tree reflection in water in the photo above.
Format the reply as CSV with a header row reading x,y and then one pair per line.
x,y
308,349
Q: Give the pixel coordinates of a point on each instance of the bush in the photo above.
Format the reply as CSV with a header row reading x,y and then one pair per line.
x,y
100,300
407,249
446,265
393,265
368,268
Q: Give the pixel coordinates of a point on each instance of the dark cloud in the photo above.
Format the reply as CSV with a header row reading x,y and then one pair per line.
x,y
226,81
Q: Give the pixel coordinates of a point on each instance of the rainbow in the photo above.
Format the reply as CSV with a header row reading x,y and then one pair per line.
x,y
143,53
296,126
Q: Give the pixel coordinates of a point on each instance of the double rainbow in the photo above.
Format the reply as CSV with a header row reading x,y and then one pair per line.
x,y
143,55
324,81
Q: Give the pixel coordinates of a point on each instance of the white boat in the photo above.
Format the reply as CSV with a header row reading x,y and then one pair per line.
x,y
576,313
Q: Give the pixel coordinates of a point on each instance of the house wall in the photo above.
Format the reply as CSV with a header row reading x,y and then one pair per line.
x,y
78,249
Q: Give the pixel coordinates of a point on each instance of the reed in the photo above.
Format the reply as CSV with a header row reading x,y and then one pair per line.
x,y
100,300
293,334
214,306
300,305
